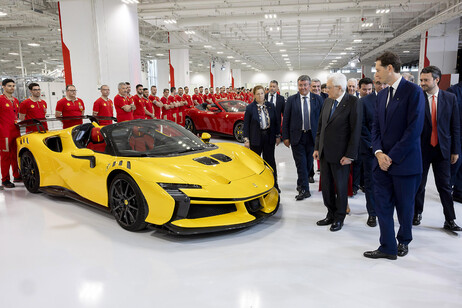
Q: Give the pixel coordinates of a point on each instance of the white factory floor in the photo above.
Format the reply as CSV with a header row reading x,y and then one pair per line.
x,y
59,253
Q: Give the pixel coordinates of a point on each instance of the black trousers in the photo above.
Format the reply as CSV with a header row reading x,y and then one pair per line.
x,y
334,185
442,173
266,148
303,157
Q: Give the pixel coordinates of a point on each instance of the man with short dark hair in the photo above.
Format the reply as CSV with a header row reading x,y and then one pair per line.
x,y
9,107
440,143
70,106
149,108
365,87
397,171
140,103
197,98
276,99
157,105
33,108
300,123
103,106
129,89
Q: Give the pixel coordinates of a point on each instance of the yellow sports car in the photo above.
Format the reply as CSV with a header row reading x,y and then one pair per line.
x,y
151,173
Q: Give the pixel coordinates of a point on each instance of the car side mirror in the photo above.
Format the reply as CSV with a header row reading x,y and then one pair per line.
x,y
85,154
206,137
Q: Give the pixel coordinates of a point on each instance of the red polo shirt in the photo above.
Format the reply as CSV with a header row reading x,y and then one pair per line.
x,y
104,109
166,112
140,103
187,97
122,115
33,110
70,109
8,118
198,98
149,108
157,109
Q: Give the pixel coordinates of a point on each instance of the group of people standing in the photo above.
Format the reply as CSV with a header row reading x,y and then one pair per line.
x,y
395,133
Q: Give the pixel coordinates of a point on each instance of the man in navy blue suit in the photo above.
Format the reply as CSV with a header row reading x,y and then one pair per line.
x,y
456,170
299,125
397,171
336,145
365,149
440,142
276,99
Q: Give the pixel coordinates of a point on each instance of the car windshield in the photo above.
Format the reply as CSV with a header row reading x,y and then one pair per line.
x,y
152,138
233,106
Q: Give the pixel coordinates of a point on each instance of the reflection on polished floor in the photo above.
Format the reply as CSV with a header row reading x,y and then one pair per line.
x,y
58,253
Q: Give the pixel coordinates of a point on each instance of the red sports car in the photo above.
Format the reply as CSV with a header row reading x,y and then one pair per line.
x,y
223,118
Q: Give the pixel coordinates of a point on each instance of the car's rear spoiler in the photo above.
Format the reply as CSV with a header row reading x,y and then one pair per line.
x,y
41,128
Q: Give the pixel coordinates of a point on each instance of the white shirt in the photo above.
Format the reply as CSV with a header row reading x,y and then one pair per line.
x,y
430,99
339,99
309,109
395,87
274,98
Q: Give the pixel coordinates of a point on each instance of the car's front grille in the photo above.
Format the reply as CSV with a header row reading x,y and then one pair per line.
x,y
207,210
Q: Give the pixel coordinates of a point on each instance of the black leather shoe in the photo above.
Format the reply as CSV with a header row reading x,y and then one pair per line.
x,y
311,179
8,184
377,254
451,226
417,219
362,189
17,180
336,226
372,221
324,222
457,198
303,194
402,250
355,192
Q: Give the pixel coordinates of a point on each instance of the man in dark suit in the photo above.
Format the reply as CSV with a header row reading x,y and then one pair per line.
x,y
440,142
299,125
336,145
397,171
365,149
276,99
456,170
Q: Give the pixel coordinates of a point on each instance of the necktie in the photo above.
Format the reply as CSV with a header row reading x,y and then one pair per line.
x,y
272,101
333,108
434,137
306,114
390,95
262,117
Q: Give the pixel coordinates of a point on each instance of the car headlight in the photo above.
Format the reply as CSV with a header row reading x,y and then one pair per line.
x,y
174,186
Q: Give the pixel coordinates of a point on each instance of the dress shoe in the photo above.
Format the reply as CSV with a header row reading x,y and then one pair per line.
x,y
324,222
457,198
417,219
362,189
355,192
8,184
377,254
311,179
17,180
336,226
402,250
303,194
372,221
451,226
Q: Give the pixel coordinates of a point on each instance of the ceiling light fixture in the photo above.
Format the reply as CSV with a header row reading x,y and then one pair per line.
x,y
230,57
284,55
279,43
219,52
170,21
189,32
207,46
3,14
13,53
406,51
159,54
343,53
237,60
271,28
357,41
282,50
130,1
36,44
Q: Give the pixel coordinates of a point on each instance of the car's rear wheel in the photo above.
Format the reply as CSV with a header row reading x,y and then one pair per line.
x,y
189,125
239,131
29,172
127,203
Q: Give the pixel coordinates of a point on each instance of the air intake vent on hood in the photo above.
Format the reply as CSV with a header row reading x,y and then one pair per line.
x,y
222,157
207,161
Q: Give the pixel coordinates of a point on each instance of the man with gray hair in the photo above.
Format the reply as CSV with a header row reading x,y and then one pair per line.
x,y
409,77
353,86
316,88
336,145
300,122
124,106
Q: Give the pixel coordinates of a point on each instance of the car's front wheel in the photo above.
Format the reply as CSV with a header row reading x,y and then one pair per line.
x,y
127,203
239,131
189,125
29,172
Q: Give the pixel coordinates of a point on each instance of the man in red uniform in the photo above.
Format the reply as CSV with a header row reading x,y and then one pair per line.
x,y
33,108
123,105
149,105
70,106
223,93
201,92
157,105
167,109
129,89
9,107
172,101
140,103
211,97
183,102
196,98
103,106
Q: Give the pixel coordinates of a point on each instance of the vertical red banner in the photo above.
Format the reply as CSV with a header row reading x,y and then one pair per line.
x,y
66,54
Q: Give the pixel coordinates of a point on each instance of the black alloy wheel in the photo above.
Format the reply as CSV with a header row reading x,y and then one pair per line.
x,y
189,125
29,172
127,203
239,131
